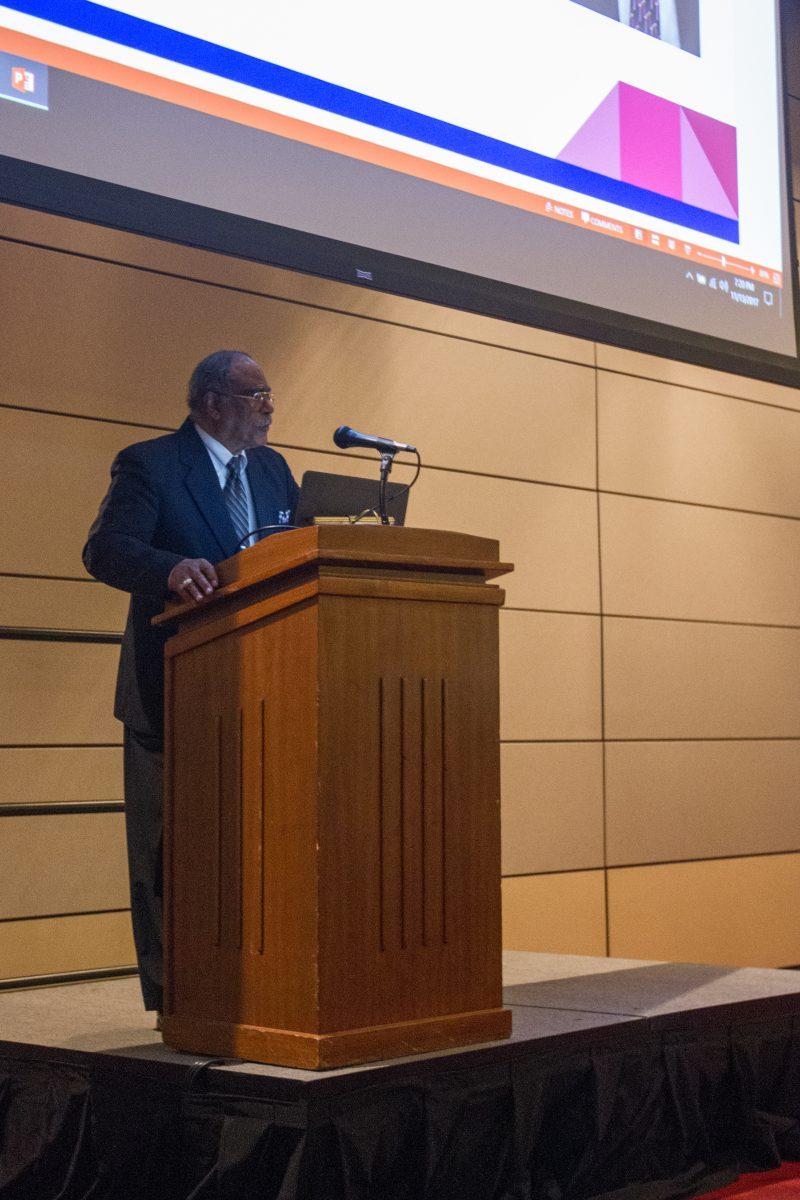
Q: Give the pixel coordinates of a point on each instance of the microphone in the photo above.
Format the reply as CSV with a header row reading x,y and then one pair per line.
x,y
345,437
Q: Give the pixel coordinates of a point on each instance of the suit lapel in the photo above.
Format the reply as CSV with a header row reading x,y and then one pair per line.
x,y
202,484
259,486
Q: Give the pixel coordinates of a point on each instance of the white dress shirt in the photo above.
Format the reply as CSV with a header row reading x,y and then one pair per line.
x,y
669,20
220,457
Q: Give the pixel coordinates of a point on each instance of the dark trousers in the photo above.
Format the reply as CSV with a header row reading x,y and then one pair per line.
x,y
144,781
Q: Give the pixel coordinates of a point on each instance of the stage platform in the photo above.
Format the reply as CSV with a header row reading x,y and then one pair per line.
x,y
621,1079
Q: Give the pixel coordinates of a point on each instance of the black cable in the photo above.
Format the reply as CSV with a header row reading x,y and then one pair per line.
x,y
203,1064
263,529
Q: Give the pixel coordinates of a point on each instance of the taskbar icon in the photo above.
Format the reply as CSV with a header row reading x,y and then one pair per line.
x,y
23,81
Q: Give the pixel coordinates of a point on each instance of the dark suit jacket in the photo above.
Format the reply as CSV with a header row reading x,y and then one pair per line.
x,y
688,19
165,504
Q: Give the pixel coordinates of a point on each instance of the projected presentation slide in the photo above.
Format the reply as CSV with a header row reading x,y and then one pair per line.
x,y
627,154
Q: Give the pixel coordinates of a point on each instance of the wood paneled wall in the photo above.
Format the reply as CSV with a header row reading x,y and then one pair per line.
x,y
651,643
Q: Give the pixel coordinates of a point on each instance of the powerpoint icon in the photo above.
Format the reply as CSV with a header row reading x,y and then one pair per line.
x,y
23,80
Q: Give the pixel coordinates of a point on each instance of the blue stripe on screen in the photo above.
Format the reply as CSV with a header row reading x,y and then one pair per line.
x,y
183,48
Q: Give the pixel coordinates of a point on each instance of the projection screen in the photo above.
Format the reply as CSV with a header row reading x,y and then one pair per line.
x,y
612,168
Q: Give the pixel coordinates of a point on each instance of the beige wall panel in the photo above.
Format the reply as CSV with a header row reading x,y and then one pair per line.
x,y
55,473
232,272
62,944
555,914
549,677
465,404
60,774
62,864
552,806
667,679
676,560
650,366
657,439
57,692
673,800
748,907
126,350
549,533
61,604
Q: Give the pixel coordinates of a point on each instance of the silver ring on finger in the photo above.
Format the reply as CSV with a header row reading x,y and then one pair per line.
x,y
186,582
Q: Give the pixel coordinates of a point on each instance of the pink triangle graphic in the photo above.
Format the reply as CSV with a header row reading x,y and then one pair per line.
x,y
701,187
596,145
719,143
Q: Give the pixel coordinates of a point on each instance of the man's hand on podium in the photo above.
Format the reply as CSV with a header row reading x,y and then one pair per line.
x,y
192,579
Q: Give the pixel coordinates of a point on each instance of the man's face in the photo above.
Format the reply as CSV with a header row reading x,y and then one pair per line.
x,y
239,418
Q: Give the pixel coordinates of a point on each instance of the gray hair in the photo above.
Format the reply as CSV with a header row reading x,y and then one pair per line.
x,y
212,374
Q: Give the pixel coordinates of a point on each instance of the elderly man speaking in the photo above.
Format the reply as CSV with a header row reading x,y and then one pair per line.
x,y
176,505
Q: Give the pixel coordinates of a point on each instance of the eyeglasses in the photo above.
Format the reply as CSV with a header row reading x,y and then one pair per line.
x,y
258,397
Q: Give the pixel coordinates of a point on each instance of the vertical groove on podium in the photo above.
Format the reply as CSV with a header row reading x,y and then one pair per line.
x,y
443,803
402,780
232,830
239,810
229,832
218,831
432,850
392,902
381,821
413,862
262,824
423,815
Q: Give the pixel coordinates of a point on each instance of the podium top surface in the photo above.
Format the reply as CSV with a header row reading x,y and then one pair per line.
x,y
351,546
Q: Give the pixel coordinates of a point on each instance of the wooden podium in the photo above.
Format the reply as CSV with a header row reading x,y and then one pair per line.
x,y
331,834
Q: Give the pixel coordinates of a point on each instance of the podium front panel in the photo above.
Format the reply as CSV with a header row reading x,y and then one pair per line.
x,y
409,810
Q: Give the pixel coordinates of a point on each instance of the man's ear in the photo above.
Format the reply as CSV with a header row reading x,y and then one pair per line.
x,y
210,406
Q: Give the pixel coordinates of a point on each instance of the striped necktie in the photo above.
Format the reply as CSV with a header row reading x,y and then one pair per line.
x,y
236,497
645,15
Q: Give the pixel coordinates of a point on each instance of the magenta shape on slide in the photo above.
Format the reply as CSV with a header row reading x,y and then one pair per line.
x,y
659,145
701,187
596,145
650,138
718,141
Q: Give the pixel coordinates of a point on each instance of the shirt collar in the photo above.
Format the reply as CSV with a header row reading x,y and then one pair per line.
x,y
216,449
